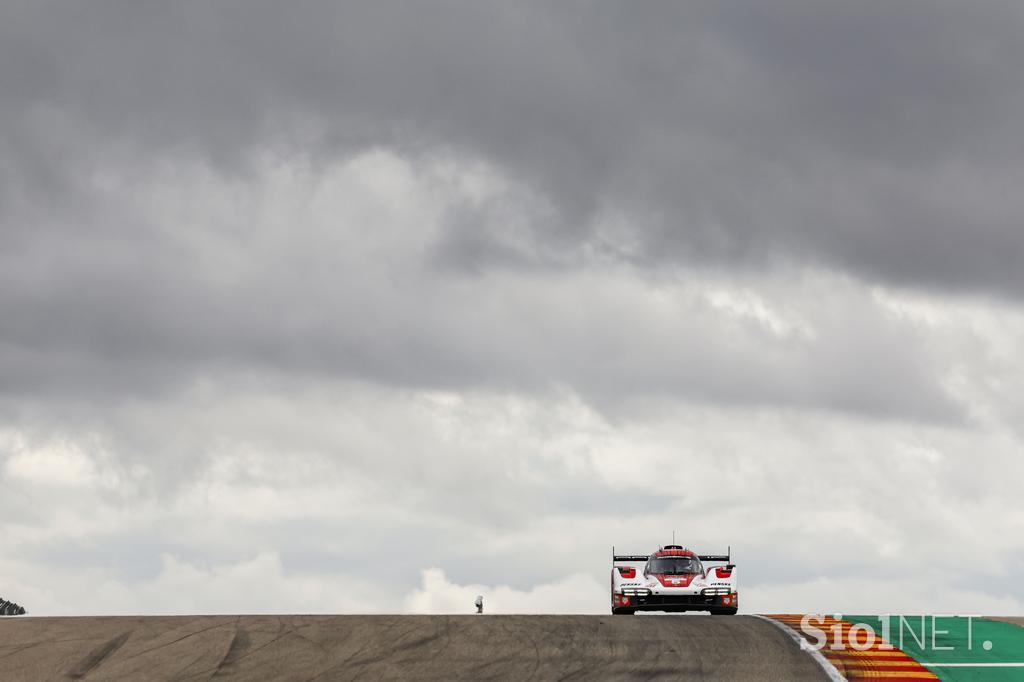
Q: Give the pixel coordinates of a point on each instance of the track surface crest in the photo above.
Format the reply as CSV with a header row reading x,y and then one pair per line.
x,y
400,647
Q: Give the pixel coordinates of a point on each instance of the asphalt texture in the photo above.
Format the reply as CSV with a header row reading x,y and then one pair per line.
x,y
735,648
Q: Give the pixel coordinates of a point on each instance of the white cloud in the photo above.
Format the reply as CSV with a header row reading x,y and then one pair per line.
x,y
891,590
57,463
257,584
577,593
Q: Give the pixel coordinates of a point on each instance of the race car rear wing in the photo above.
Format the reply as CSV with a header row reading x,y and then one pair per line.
x,y
727,558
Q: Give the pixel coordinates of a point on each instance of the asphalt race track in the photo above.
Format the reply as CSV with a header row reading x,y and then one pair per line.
x,y
733,648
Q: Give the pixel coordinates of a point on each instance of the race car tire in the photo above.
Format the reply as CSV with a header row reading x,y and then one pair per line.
x,y
623,611
723,612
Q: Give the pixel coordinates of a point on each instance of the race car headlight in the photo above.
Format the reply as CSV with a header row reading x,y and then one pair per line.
x,y
715,591
636,591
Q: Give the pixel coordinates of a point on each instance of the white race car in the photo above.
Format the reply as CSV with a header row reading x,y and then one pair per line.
x,y
673,579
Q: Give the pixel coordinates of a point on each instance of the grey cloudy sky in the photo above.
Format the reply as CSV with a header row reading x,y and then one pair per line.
x,y
285,288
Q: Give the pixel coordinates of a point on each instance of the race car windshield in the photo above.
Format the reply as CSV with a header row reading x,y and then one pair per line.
x,y
674,565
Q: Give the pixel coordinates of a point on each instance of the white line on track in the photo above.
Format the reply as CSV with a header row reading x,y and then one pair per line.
x,y
830,670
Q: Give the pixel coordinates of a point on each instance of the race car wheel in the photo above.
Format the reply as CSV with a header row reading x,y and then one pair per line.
x,y
723,612
623,612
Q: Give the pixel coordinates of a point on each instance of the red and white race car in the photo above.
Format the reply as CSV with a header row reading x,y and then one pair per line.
x,y
673,579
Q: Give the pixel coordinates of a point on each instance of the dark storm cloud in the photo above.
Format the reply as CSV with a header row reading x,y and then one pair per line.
x,y
876,140
94,308
879,138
